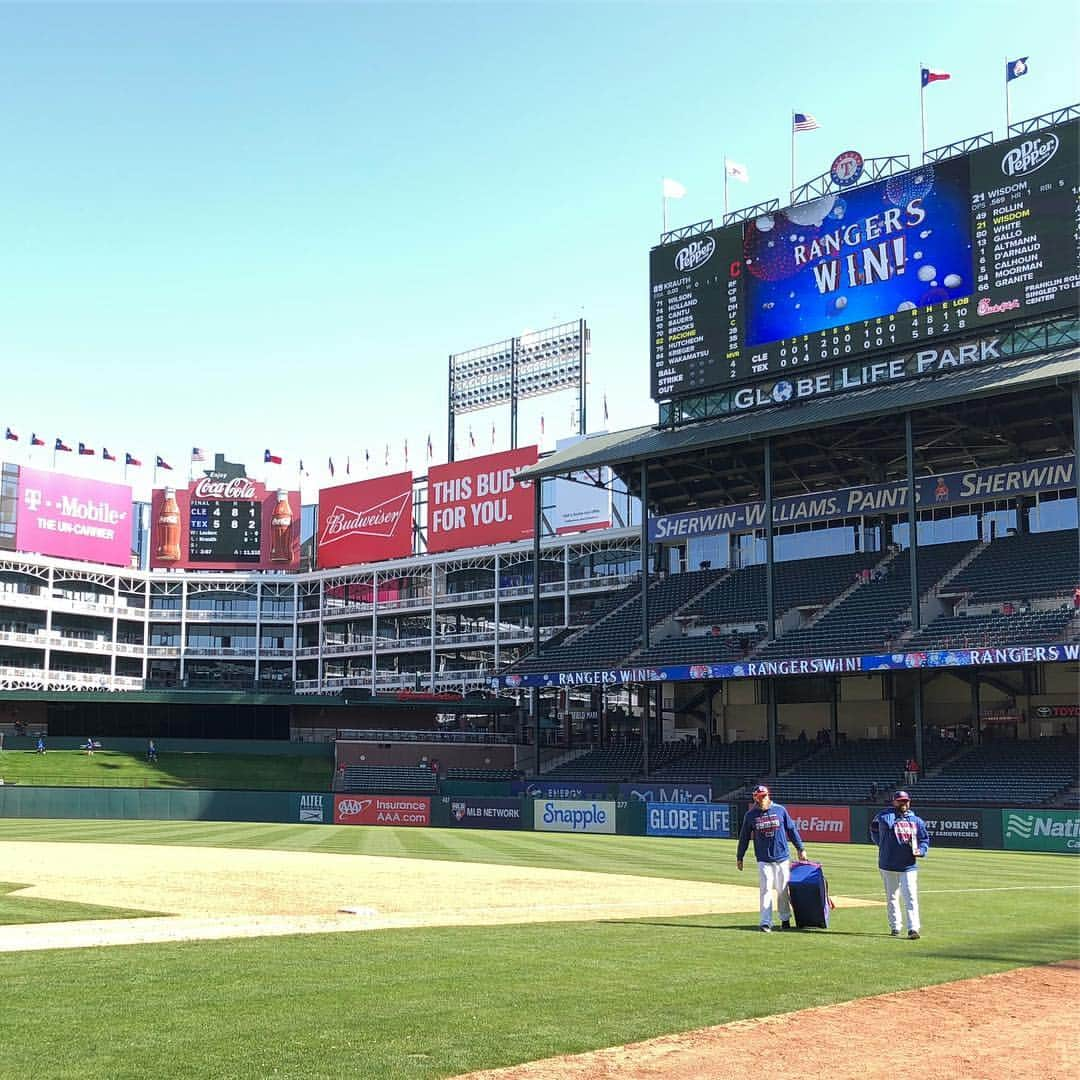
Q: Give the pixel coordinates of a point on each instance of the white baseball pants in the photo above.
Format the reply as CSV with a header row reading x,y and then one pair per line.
x,y
902,885
774,877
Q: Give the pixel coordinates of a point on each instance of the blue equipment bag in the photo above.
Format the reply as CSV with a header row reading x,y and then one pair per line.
x,y
809,894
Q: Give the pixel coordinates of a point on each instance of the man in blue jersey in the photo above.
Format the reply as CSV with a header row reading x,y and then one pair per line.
x,y
901,838
770,825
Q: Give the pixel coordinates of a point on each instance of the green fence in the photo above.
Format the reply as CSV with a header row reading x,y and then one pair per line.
x,y
147,804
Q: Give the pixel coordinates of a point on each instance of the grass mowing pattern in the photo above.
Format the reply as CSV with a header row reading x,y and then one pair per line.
x,y
432,1003
111,768
18,910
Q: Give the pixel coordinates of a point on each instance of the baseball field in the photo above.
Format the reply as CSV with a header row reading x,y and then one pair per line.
x,y
197,949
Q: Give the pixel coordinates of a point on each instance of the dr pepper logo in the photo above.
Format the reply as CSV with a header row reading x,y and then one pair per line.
x,y
1030,155
696,253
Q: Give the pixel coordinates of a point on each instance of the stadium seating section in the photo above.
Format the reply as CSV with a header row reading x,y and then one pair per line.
x,y
372,779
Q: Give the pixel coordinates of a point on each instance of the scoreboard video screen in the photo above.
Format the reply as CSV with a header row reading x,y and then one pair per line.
x,y
944,248
225,530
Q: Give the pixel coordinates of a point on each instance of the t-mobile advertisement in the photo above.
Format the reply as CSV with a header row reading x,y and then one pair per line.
x,y
73,517
368,521
891,247
477,502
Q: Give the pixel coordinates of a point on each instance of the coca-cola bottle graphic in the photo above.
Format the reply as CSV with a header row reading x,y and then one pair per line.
x,y
167,546
281,530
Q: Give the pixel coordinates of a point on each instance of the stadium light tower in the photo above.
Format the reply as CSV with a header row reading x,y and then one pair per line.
x,y
537,362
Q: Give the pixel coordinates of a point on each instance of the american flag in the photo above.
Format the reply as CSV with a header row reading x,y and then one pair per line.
x,y
804,121
198,453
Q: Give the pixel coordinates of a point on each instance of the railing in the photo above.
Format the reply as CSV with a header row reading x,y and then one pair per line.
x,y
468,737
197,615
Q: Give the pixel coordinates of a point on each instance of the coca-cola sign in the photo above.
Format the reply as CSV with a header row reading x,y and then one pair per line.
x,y
235,488
1030,155
368,521
73,517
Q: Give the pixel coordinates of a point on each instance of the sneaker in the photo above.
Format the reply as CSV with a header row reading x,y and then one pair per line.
x,y
766,929
785,924
894,933
913,935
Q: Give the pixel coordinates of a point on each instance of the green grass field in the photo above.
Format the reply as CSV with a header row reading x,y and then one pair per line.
x,y
211,771
436,1002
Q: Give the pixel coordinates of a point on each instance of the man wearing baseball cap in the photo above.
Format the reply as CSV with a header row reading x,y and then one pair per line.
x,y
901,838
770,825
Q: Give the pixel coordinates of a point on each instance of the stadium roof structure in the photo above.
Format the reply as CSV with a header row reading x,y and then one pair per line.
x,y
967,418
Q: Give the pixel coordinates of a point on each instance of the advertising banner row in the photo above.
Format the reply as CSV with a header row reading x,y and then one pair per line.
x,y
961,827
812,665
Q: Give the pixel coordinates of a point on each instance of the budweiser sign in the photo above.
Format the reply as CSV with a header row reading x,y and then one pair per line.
x,y
239,487
367,521
379,520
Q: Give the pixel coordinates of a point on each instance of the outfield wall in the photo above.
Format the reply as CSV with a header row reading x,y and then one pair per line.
x,y
952,826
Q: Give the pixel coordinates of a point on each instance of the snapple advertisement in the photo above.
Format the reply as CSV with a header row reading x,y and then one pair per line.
x,y
73,517
895,246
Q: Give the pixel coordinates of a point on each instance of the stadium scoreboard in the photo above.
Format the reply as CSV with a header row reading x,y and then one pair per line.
x,y
225,530
944,248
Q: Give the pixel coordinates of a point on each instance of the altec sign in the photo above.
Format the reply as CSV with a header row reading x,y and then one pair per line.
x,y
477,502
368,521
73,517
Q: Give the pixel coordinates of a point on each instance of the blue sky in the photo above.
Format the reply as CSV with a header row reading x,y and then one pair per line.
x,y
246,226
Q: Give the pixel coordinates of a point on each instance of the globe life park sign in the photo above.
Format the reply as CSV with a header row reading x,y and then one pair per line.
x,y
929,360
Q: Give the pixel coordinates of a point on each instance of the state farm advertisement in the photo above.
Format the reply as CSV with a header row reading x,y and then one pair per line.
x,y
382,810
73,517
816,823
368,521
476,502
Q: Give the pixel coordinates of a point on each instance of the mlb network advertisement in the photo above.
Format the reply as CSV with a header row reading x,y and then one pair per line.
x,y
73,518
477,502
225,521
939,250
368,521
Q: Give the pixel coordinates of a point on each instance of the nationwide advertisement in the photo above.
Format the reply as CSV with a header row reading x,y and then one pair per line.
x,y
953,827
368,521
577,816
583,500
943,249
1004,656
382,810
666,791
946,489
831,824
688,819
477,502
225,521
484,813
73,517
1041,830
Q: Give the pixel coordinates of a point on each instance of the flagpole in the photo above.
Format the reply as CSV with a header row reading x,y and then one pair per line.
x,y
663,199
793,150
725,184
922,107
1008,114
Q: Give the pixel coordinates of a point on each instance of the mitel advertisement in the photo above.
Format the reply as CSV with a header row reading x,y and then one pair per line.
x,y
73,517
666,791
477,502
817,823
565,815
368,521
901,244
382,810
484,813
688,819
